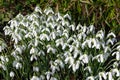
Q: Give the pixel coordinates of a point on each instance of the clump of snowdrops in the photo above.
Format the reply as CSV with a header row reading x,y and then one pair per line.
x,y
49,46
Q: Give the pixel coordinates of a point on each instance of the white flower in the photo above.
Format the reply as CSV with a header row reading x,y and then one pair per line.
x,y
100,34
50,49
48,74
116,71
17,65
52,35
32,50
84,58
90,78
102,75
59,42
48,11
118,48
38,9
88,68
12,74
33,57
44,37
53,78
67,16
111,34
117,55
35,78
91,28
84,28
36,69
110,41
3,67
109,75
73,27
99,57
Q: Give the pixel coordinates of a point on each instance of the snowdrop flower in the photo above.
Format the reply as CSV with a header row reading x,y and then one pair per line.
x,y
48,11
17,65
100,34
50,18
118,48
7,30
44,37
67,16
69,59
116,71
107,49
32,50
73,27
90,78
41,52
109,75
84,28
36,69
3,67
84,58
58,61
91,28
53,78
84,44
75,66
59,17
88,68
4,59
48,74
59,42
35,78
33,57
99,57
52,35
42,77
117,55
64,46
50,49
102,75
12,74
38,9
96,43
111,35
110,41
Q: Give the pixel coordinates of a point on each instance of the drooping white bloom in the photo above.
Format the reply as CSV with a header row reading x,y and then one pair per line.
x,y
36,69
99,57
116,71
35,78
48,11
84,58
88,68
117,55
90,78
109,75
92,28
100,34
44,37
17,65
38,9
102,75
12,74
110,41
111,34
53,78
67,16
